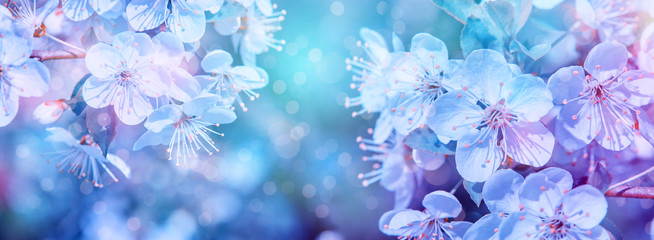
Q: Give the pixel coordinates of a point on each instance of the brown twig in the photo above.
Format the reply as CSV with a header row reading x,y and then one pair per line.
x,y
44,55
631,192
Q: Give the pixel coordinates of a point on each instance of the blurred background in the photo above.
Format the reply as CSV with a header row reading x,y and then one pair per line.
x,y
287,168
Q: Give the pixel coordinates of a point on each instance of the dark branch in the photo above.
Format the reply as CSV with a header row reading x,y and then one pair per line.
x,y
631,192
44,55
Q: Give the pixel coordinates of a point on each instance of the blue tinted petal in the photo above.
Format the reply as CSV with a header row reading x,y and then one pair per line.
x,y
96,93
183,86
378,50
478,156
429,49
383,127
528,96
457,229
217,61
152,139
645,127
120,164
456,112
162,117
102,60
483,73
14,49
32,79
585,206
546,4
264,6
385,220
131,108
198,105
618,127
596,233
529,143
449,82
210,5
566,83
147,14
398,46
637,88
187,21
169,50
61,135
156,80
562,178
218,115
393,175
485,228
103,6
263,78
501,191
134,48
8,107
247,77
227,26
406,217
428,160
606,60
77,10
580,119
520,226
441,204
540,196
410,111
404,194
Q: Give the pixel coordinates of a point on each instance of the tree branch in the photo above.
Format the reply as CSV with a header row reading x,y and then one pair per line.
x,y
631,192
44,55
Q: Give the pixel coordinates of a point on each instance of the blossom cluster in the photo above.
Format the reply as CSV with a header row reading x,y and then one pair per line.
x,y
142,59
559,103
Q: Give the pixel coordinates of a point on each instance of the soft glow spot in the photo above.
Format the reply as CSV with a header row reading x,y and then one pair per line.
x,y
309,191
133,224
300,78
344,159
99,207
47,184
337,8
269,188
292,107
322,211
399,27
22,151
279,87
329,182
381,8
292,49
321,153
315,55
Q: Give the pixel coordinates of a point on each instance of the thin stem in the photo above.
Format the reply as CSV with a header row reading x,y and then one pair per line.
x,y
56,39
43,55
631,178
456,186
631,192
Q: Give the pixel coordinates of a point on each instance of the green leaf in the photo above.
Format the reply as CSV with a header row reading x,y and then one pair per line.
x,y
474,190
76,102
89,38
599,177
459,9
481,34
101,124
